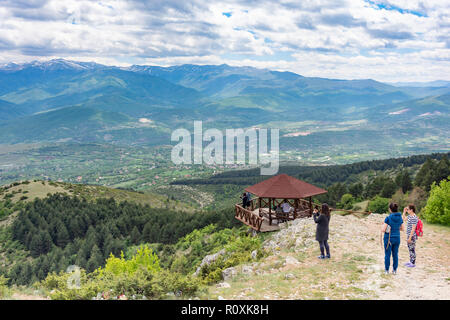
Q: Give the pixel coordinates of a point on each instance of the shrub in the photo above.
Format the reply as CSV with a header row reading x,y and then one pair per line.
x,y
57,284
237,252
437,209
378,205
346,202
4,290
144,258
138,276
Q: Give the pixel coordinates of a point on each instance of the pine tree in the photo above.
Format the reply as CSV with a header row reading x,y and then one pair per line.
x,y
442,170
62,235
356,190
147,233
428,180
81,259
46,241
406,183
36,246
428,168
389,188
26,274
95,260
135,236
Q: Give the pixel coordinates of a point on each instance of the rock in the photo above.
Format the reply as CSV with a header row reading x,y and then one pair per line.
x,y
283,225
223,285
229,273
220,298
254,254
299,242
247,270
207,260
291,261
289,276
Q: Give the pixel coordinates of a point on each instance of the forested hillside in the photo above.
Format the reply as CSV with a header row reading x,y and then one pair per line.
x,y
59,231
41,237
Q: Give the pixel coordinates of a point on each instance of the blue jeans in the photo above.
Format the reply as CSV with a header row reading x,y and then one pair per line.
x,y
392,248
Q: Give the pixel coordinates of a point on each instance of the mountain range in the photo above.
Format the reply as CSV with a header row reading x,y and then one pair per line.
x,y
61,100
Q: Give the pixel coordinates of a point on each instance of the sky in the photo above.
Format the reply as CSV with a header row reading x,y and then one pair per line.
x,y
390,41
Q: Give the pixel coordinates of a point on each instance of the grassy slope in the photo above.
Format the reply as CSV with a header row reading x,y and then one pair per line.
x,y
40,189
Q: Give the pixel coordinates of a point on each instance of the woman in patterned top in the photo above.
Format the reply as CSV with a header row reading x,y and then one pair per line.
x,y
411,236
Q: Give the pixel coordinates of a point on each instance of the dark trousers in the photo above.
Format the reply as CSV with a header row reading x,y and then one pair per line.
x,y
324,246
391,248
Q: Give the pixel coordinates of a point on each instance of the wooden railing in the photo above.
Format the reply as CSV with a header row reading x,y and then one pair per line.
x,y
335,209
247,217
254,220
351,211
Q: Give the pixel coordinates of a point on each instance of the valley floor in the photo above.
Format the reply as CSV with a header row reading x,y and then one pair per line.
x,y
355,271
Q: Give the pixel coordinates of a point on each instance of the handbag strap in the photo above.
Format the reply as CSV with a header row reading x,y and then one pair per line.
x,y
389,241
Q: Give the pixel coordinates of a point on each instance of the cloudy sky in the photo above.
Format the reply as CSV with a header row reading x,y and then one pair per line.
x,y
386,40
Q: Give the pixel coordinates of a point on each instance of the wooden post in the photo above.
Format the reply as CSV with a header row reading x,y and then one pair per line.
x,y
259,205
270,211
296,208
310,206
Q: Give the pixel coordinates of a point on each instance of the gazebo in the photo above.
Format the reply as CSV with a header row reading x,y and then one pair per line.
x,y
273,192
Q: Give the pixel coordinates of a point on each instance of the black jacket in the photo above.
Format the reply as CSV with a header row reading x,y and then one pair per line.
x,y
322,226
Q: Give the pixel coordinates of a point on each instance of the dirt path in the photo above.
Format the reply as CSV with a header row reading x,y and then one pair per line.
x,y
355,271
23,296
429,280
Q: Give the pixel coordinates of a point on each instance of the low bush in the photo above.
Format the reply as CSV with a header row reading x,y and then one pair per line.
x,y
437,209
378,205
135,278
4,290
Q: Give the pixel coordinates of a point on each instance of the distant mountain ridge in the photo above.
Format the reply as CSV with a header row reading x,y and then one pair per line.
x,y
436,83
222,96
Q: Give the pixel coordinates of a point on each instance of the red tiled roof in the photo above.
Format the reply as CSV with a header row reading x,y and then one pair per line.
x,y
284,186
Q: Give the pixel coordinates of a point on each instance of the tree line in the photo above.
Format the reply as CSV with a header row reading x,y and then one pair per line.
x,y
322,176
384,186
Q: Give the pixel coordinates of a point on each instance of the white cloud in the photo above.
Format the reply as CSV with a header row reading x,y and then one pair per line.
x,y
384,40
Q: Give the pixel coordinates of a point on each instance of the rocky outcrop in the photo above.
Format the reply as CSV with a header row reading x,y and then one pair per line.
x,y
207,260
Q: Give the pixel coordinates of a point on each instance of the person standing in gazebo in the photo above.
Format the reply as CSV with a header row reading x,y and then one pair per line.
x,y
244,198
323,221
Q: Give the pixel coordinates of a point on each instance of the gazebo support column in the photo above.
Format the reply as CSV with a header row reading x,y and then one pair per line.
x,y
310,206
259,206
270,211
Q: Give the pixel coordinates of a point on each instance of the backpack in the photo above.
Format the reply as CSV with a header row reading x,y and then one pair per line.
x,y
419,228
